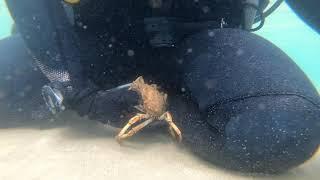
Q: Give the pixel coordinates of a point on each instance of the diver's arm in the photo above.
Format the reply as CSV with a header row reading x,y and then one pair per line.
x,y
49,37
55,47
52,42
308,10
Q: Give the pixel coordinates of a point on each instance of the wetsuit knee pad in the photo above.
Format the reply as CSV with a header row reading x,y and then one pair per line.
x,y
247,88
268,134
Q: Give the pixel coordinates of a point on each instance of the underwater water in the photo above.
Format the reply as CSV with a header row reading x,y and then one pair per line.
x,y
76,148
293,36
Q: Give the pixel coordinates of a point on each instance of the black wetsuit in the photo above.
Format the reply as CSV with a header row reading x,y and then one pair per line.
x,y
239,100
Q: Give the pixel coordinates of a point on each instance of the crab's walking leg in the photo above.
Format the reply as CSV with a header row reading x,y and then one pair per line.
x,y
134,130
132,121
174,130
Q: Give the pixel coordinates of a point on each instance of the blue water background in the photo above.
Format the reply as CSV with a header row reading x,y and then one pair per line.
x,y
283,28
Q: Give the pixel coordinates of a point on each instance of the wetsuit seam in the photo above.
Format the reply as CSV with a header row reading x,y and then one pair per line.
x,y
221,131
243,97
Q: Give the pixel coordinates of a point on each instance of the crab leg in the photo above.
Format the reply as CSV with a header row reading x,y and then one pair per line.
x,y
174,130
133,120
134,130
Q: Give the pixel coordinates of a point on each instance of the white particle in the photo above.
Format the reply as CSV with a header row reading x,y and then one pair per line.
x,y
189,50
85,26
80,23
110,45
183,89
130,52
239,52
205,9
211,33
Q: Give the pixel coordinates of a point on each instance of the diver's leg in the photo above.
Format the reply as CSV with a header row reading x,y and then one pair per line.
x,y
308,10
20,81
260,112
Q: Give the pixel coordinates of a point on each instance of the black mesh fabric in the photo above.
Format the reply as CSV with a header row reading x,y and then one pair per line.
x,y
56,73
49,36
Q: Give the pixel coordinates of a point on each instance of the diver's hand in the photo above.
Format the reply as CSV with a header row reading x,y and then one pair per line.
x,y
113,107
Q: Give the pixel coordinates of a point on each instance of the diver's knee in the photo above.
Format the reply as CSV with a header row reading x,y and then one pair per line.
x,y
263,120
268,133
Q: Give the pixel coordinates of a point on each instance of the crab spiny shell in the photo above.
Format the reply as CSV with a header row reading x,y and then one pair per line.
x,y
153,101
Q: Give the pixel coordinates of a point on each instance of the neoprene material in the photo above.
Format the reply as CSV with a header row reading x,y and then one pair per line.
x,y
264,108
308,10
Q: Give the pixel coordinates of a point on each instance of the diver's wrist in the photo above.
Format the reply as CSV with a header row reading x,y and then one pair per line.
x,y
60,96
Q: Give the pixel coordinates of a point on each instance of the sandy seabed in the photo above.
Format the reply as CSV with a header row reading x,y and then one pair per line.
x,y
77,148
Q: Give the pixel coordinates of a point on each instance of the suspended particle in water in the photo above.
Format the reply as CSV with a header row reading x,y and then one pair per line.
x,y
239,52
210,33
205,9
180,61
130,52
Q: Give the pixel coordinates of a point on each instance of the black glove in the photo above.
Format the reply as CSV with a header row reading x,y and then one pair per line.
x,y
113,107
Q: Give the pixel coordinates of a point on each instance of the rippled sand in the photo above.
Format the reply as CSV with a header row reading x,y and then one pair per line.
x,y
75,148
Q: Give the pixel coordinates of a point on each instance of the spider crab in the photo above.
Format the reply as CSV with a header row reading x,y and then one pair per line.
x,y
153,106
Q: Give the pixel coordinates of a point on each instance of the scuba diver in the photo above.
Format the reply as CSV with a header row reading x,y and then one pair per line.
x,y
239,101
